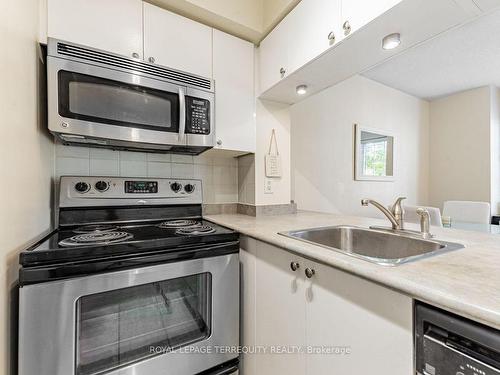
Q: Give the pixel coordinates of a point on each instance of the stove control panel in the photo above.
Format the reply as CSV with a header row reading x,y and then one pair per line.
x,y
83,191
141,187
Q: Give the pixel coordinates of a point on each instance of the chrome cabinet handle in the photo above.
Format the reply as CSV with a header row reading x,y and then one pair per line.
x,y
182,114
282,72
310,272
135,55
347,28
331,37
219,142
151,60
294,266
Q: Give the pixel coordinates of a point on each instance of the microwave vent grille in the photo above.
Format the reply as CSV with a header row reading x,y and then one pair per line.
x,y
121,62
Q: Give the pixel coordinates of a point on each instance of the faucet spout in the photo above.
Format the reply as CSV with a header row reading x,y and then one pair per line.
x,y
392,218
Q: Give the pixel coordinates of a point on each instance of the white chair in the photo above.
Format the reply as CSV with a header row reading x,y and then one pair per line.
x,y
411,215
467,211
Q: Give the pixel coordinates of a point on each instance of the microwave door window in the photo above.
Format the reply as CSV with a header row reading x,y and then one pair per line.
x,y
110,102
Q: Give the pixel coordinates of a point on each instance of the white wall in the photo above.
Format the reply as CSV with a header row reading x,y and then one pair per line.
x,y
26,154
272,116
217,169
322,146
460,164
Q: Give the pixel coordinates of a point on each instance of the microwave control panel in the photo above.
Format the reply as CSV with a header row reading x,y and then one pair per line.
x,y
197,116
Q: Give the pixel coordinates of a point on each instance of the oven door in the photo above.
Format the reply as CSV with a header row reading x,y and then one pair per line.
x,y
100,103
155,320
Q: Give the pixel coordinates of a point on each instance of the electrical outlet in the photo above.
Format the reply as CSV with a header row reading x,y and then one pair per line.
x,y
268,187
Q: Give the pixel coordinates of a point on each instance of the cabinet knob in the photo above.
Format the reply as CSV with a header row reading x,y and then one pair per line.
x,y
331,37
282,72
151,60
294,266
310,272
219,142
135,55
347,28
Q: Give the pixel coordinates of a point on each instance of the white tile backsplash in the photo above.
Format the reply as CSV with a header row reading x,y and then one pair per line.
x,y
133,168
182,170
161,170
219,173
72,166
103,153
187,159
162,158
104,167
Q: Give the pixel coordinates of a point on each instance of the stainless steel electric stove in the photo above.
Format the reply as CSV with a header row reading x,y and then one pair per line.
x,y
133,281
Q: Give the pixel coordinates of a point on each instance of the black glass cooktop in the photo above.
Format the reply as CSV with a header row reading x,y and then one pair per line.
x,y
77,243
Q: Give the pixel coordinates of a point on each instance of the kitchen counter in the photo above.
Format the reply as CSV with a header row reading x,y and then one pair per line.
x,y
465,281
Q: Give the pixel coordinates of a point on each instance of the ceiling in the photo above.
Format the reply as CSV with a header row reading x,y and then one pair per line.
x,y
460,59
251,20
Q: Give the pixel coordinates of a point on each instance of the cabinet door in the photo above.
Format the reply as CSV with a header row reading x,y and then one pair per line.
x,y
273,56
234,85
248,256
359,12
280,311
110,25
373,322
311,22
177,42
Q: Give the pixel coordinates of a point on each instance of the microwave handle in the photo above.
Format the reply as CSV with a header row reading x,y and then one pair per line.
x,y
182,113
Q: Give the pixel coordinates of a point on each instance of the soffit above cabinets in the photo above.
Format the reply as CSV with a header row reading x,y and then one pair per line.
x,y
251,20
416,20
461,59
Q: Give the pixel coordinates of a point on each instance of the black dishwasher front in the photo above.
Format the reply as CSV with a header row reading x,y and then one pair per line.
x,y
447,344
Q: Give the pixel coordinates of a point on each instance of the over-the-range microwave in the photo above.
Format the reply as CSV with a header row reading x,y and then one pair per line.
x,y
103,99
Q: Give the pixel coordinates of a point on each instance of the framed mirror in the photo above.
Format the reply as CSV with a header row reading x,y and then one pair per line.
x,y
374,154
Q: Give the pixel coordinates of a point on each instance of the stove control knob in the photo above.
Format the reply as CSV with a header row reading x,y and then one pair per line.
x,y
101,186
189,188
82,187
176,187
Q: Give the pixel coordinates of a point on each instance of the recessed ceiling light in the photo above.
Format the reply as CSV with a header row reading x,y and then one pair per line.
x,y
391,41
301,89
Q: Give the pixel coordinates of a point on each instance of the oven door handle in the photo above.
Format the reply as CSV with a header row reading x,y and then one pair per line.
x,y
182,114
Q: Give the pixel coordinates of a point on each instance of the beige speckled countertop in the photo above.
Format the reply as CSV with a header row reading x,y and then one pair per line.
x,y
465,281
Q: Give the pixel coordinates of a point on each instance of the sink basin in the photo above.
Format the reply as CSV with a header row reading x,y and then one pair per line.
x,y
376,246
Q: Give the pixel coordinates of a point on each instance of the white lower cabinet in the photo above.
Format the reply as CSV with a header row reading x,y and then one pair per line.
x,y
374,323
342,324
280,313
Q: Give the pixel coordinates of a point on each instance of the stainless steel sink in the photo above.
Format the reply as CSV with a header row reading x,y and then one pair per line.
x,y
376,246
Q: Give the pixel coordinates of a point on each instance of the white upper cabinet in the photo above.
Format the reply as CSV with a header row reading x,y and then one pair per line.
x,y
177,42
273,55
233,60
311,28
357,13
314,27
110,25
